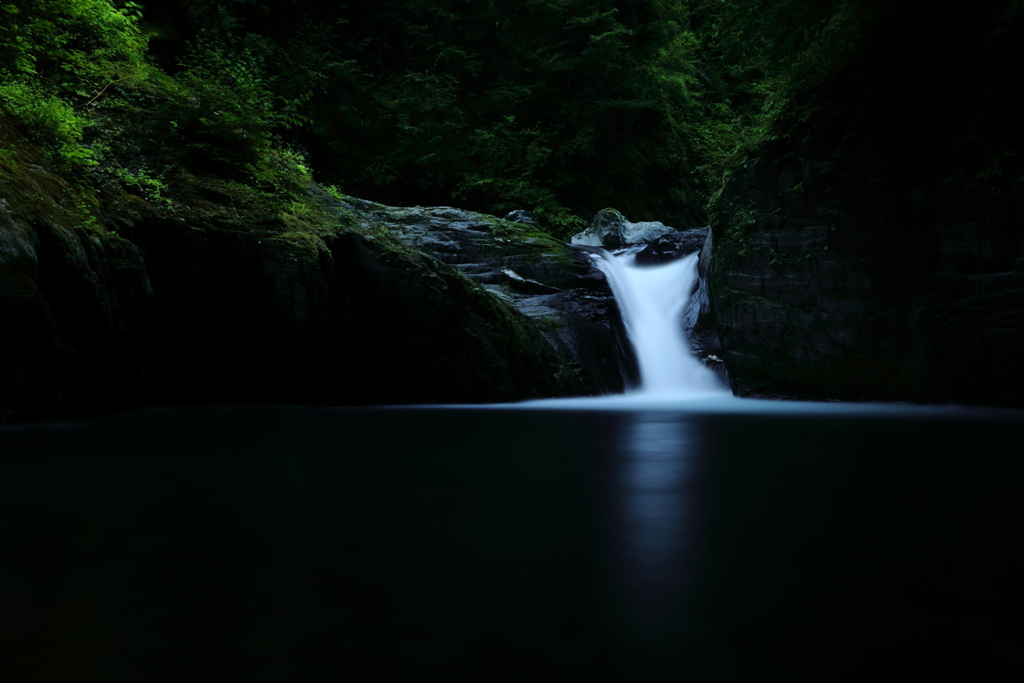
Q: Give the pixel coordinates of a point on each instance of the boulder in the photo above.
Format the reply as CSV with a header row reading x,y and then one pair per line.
x,y
611,230
555,286
673,245
520,216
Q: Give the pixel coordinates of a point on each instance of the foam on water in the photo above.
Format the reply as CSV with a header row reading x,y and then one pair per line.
x,y
725,403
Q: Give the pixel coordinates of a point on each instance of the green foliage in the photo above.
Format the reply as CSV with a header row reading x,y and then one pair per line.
x,y
94,38
49,119
219,114
817,82
59,56
556,106
75,76
559,106
767,60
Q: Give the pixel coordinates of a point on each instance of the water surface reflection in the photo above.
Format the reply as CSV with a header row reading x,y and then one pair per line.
x,y
654,509
728,541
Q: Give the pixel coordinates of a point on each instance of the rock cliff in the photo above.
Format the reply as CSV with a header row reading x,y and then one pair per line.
x,y
868,245
387,306
875,289
554,285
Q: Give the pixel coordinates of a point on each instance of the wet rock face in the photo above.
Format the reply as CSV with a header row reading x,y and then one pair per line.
x,y
556,287
967,330
75,308
673,245
470,309
360,323
886,292
520,216
611,230
780,300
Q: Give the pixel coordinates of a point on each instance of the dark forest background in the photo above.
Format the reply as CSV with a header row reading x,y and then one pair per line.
x,y
561,107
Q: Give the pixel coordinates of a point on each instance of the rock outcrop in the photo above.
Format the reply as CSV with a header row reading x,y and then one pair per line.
x,y
75,313
870,247
611,230
405,306
554,285
881,291
212,316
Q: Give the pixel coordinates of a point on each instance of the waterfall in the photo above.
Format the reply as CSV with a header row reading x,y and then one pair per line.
x,y
652,300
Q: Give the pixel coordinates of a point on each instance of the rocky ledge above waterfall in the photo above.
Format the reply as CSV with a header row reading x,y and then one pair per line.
x,y
206,301
553,285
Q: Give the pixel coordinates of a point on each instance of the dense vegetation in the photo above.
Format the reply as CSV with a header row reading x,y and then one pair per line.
x,y
929,80
558,106
123,137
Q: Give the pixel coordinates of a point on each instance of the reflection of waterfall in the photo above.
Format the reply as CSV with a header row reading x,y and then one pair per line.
x,y
655,504
652,299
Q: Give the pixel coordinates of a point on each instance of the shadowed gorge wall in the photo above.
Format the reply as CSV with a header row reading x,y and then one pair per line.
x,y
873,249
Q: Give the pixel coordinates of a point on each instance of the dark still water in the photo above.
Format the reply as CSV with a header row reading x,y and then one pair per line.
x,y
318,544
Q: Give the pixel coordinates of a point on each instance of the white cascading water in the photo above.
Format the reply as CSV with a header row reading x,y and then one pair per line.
x,y
652,299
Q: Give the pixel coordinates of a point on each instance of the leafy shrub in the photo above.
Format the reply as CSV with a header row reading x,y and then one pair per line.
x,y
59,56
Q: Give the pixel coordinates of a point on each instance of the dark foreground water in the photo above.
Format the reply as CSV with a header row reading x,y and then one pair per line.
x,y
321,544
